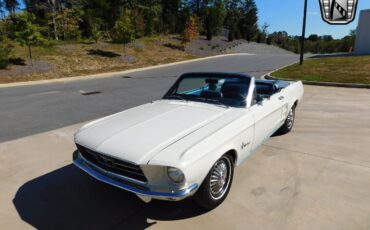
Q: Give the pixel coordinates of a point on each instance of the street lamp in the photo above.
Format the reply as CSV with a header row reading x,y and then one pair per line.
x,y
303,32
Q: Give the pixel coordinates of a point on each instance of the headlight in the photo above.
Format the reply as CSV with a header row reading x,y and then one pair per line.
x,y
175,175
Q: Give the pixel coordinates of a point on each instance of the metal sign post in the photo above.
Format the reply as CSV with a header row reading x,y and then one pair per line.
x,y
303,32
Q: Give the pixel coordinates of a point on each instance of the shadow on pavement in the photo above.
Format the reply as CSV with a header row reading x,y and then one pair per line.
x,y
67,198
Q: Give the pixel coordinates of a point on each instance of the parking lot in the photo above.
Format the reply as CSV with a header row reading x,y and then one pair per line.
x,y
316,177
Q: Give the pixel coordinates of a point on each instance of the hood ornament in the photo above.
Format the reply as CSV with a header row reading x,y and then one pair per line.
x,y
338,12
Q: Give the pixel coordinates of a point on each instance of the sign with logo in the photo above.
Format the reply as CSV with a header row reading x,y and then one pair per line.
x,y
338,12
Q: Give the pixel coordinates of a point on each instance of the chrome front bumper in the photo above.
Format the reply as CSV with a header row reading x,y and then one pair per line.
x,y
116,180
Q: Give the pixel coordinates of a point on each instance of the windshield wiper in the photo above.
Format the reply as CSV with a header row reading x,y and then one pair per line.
x,y
176,97
213,101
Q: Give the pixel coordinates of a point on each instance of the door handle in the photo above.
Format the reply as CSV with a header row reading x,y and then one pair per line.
x,y
281,98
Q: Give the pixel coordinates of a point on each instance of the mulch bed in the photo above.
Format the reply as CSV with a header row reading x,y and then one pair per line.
x,y
26,69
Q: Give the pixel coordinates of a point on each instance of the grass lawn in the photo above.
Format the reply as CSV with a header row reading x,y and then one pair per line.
x,y
84,58
351,69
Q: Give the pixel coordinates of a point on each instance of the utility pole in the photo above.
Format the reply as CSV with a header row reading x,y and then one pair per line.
x,y
303,32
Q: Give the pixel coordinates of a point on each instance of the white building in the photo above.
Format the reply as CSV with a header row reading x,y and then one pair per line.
x,y
362,45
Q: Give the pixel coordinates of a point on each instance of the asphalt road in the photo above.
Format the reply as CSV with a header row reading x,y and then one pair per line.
x,y
27,110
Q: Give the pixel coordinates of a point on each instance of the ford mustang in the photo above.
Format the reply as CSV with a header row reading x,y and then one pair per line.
x,y
189,142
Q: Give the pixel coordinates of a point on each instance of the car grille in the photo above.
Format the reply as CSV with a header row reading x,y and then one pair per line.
x,y
113,165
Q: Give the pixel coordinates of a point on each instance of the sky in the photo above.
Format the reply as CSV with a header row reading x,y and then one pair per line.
x,y
288,15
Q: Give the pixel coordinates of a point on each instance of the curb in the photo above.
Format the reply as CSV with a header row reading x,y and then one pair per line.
x,y
317,83
115,74
268,75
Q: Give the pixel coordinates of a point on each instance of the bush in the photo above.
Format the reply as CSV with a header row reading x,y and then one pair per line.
x,y
50,43
123,30
191,30
4,56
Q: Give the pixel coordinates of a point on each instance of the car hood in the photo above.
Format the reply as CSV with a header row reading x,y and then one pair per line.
x,y
137,135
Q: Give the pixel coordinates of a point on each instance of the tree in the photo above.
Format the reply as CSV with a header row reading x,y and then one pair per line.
x,y
4,55
67,22
232,21
5,48
27,32
2,29
215,15
191,30
348,42
198,6
327,38
96,33
170,15
184,14
45,12
313,38
2,4
152,12
123,30
262,34
248,23
138,22
11,5
52,6
352,33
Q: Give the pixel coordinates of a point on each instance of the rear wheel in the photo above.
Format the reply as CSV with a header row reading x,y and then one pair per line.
x,y
216,186
289,122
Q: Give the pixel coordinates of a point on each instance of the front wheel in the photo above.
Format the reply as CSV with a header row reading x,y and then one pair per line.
x,y
289,122
216,186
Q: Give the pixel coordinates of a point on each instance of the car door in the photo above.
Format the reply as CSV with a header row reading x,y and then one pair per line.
x,y
267,117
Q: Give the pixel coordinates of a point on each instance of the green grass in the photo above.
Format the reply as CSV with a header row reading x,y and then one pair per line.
x,y
353,69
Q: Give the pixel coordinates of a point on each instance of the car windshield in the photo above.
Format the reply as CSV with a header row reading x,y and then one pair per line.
x,y
227,90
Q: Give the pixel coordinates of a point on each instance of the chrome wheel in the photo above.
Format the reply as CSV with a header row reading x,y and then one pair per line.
x,y
220,178
290,119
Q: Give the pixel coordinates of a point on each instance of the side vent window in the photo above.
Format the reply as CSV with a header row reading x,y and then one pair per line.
x,y
254,96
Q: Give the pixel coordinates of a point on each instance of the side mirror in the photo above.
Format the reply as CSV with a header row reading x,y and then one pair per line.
x,y
259,100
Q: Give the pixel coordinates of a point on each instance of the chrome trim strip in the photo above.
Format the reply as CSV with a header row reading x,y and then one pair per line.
x,y
249,98
178,195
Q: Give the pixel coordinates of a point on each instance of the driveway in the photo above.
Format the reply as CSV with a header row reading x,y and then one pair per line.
x,y
317,177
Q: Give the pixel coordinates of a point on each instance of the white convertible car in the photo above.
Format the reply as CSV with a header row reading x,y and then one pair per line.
x,y
188,143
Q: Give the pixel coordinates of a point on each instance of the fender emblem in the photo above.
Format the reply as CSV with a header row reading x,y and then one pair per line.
x,y
245,144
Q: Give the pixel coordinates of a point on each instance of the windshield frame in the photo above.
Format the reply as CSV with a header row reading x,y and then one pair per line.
x,y
170,95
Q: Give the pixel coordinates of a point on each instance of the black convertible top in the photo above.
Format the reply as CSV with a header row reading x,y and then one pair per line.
x,y
269,87
216,74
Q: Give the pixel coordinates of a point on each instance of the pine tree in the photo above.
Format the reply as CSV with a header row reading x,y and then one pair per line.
x,y
170,15
232,21
248,24
27,32
152,16
215,15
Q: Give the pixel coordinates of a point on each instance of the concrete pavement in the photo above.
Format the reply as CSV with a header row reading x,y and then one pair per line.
x,y
27,110
317,177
